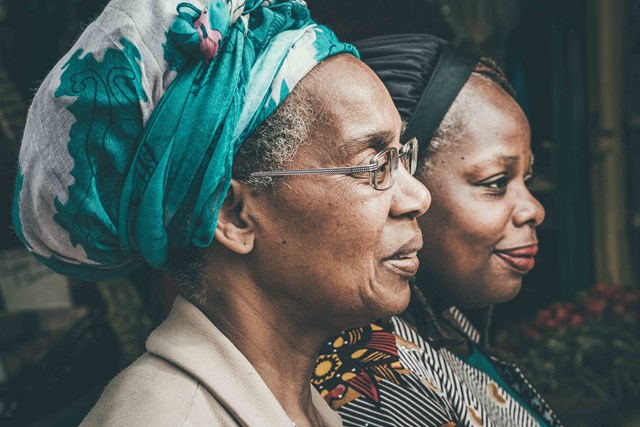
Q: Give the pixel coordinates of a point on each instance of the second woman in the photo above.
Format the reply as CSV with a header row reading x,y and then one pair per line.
x,y
431,366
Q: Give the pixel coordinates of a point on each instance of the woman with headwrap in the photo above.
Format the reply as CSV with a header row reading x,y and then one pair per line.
x,y
431,366
244,148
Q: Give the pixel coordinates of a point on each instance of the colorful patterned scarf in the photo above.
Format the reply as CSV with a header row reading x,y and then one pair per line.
x,y
128,149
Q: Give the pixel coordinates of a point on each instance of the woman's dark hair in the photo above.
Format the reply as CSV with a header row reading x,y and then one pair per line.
x,y
424,75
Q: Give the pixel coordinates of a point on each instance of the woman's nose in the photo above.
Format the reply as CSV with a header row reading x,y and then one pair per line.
x,y
411,196
529,211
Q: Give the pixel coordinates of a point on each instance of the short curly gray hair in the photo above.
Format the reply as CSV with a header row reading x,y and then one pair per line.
x,y
275,142
272,146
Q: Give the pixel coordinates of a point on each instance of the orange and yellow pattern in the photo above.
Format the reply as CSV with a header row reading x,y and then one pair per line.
x,y
350,365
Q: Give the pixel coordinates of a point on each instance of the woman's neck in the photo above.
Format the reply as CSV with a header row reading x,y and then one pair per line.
x,y
429,285
432,311
281,352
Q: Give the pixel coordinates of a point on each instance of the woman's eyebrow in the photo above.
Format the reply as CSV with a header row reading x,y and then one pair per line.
x,y
376,140
509,162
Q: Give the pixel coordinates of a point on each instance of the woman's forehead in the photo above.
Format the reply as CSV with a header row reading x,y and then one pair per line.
x,y
470,161
376,140
357,111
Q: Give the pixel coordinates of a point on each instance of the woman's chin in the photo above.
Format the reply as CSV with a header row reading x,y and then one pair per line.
x,y
506,293
388,301
487,299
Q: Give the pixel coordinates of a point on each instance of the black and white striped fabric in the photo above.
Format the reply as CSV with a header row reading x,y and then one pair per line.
x,y
442,390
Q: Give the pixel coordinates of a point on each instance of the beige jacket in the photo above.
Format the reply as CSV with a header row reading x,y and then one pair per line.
x,y
192,375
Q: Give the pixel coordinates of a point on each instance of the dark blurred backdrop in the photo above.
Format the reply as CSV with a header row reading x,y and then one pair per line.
x,y
574,64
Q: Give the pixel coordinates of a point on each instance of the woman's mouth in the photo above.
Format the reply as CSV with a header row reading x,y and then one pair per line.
x,y
405,264
521,259
404,261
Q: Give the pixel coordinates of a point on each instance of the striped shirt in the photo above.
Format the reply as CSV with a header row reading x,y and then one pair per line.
x,y
374,384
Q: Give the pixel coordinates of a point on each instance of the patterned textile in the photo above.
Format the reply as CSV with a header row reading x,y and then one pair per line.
x,y
128,148
352,364
437,389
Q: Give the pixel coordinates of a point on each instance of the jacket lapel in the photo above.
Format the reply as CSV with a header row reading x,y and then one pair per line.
x,y
189,340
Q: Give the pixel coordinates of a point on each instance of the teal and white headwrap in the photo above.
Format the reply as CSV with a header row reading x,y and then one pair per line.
x,y
128,149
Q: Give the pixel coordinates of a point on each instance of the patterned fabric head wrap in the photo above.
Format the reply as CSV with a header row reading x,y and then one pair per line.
x,y
128,149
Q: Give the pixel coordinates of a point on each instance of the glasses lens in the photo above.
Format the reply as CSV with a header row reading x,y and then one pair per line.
x,y
387,164
410,156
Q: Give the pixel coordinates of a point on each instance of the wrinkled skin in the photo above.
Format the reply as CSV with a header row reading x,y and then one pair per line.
x,y
294,265
323,243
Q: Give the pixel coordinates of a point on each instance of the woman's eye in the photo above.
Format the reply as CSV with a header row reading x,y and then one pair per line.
x,y
497,186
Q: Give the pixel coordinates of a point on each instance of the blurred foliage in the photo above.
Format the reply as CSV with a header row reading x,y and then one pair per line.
x,y
50,6
12,117
483,25
583,353
358,19
3,11
128,316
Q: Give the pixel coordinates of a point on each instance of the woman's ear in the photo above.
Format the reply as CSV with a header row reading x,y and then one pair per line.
x,y
235,229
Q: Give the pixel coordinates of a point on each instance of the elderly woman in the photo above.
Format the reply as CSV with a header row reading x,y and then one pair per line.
x,y
431,366
246,149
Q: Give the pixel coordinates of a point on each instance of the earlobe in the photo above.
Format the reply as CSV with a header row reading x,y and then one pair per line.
x,y
235,229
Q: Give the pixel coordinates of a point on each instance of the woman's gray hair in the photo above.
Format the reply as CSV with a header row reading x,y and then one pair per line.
x,y
275,142
188,272
272,146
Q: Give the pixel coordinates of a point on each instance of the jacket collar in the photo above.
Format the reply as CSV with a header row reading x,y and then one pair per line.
x,y
189,340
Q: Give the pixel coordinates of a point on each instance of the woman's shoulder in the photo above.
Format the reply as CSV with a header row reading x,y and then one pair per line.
x,y
154,392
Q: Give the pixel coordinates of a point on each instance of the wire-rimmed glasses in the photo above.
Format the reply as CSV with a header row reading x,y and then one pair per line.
x,y
381,169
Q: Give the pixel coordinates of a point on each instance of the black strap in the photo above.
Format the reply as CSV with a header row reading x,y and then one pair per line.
x,y
449,76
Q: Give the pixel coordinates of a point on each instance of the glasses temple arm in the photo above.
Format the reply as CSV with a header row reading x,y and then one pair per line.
x,y
322,171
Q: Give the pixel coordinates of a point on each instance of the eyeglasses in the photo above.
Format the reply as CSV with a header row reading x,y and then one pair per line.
x,y
381,169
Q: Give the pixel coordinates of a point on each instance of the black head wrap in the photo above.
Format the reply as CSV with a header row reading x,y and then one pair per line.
x,y
423,74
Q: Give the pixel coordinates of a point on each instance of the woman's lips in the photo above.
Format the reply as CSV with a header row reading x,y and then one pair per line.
x,y
404,261
405,265
520,259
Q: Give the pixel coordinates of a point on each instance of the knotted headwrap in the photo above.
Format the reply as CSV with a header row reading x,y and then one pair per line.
x,y
128,149
423,74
